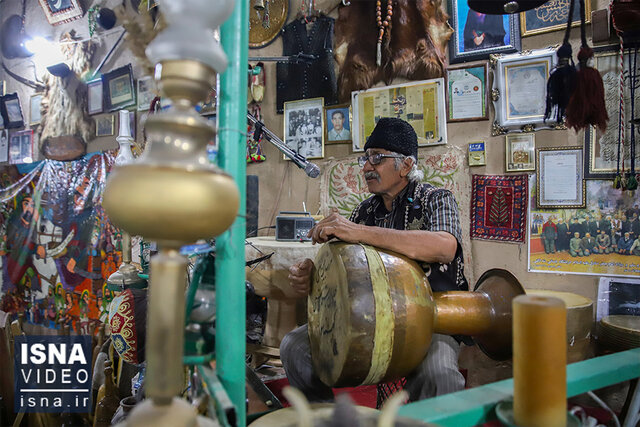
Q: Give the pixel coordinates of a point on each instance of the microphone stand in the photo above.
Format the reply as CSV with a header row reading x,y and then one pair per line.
x,y
310,169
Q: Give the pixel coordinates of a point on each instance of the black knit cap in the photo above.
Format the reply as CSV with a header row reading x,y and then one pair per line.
x,y
394,135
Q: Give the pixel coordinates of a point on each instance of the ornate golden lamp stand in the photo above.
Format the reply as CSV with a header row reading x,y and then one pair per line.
x,y
174,196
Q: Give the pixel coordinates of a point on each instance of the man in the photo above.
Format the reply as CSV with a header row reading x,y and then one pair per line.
x,y
416,220
635,248
338,133
624,244
575,245
575,227
588,245
604,242
563,235
634,225
549,236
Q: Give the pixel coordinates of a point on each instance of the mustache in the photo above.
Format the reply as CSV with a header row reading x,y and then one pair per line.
x,y
372,175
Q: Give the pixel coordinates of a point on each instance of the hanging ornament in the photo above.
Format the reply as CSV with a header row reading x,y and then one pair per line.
x,y
383,27
561,82
586,106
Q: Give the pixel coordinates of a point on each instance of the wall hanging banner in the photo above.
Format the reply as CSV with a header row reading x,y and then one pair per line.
x,y
444,167
58,247
499,207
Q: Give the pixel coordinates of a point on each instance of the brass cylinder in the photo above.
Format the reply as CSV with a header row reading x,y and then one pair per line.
x,y
461,312
165,338
126,247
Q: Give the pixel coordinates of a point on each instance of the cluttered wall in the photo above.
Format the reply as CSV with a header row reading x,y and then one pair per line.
x,y
104,54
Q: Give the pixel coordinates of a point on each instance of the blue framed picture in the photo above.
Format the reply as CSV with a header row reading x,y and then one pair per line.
x,y
338,123
552,16
477,35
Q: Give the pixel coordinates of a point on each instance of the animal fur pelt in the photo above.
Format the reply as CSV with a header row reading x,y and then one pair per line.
x,y
64,102
415,50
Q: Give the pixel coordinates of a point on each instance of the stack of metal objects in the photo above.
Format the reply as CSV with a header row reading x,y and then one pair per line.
x,y
619,332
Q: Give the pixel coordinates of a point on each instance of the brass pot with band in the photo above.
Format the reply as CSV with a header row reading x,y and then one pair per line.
x,y
372,314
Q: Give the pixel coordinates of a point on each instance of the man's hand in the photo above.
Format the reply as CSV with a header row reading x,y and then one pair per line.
x,y
300,277
337,226
478,40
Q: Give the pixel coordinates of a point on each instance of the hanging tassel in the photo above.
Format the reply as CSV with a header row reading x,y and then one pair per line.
x,y
561,85
586,106
561,81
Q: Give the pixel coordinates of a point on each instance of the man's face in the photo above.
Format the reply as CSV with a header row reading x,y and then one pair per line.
x,y
338,121
383,177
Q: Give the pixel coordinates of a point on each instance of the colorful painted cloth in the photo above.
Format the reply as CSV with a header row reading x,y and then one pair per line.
x,y
57,246
499,207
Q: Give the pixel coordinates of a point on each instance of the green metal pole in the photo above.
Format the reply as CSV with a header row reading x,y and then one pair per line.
x,y
230,276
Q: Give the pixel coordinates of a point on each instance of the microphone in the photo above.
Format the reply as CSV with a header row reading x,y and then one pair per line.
x,y
311,169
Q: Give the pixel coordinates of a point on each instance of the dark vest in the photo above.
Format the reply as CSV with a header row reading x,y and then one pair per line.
x,y
314,79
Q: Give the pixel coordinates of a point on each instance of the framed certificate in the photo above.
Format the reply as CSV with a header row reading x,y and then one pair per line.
x,y
520,152
467,97
601,155
421,104
552,16
560,181
519,91
477,155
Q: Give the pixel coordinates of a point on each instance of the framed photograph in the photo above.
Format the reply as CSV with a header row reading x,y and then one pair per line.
x,y
4,145
560,181
34,109
105,125
95,96
61,11
601,160
520,152
477,154
119,89
338,124
421,104
467,96
552,16
11,111
145,93
303,127
618,297
476,35
21,147
520,91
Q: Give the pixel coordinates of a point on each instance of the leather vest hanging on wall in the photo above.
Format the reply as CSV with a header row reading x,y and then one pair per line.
x,y
312,79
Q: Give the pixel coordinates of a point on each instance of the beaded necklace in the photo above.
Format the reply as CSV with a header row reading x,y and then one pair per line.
x,y
383,26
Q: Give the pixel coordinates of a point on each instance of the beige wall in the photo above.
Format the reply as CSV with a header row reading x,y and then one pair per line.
x,y
284,187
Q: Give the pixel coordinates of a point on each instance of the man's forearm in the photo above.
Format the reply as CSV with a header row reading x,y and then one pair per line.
x,y
419,245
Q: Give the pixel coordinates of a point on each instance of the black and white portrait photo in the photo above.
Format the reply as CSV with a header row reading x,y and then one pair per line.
x,y
304,127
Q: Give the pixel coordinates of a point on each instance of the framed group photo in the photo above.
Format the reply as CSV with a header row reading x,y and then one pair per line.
x,y
467,96
304,127
119,88
560,181
520,152
477,35
338,123
520,90
552,16
105,125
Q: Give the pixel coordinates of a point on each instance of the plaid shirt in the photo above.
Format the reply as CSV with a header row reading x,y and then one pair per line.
x,y
421,207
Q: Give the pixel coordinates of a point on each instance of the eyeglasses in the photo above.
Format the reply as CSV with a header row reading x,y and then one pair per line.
x,y
375,159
